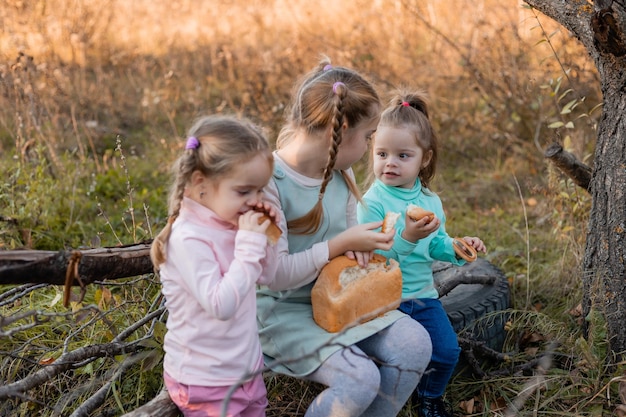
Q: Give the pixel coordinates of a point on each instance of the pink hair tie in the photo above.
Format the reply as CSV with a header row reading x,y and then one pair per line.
x,y
192,143
336,85
327,67
405,104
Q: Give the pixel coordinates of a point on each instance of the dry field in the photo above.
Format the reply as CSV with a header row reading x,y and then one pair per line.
x,y
96,96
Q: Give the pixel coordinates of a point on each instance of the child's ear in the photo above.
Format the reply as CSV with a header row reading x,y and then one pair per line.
x,y
197,178
428,156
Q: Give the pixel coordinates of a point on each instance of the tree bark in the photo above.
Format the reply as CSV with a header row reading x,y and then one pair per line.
x,y
600,27
50,267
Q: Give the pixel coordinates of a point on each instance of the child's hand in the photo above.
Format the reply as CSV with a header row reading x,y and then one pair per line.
x,y
250,221
416,230
362,258
267,208
476,243
361,238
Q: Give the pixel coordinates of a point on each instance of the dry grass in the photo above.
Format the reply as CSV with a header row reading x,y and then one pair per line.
x,y
83,80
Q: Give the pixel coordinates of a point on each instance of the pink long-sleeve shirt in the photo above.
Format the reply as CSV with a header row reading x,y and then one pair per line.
x,y
209,281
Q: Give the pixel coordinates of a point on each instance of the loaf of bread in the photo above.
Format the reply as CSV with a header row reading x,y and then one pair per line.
x,y
417,213
346,294
273,232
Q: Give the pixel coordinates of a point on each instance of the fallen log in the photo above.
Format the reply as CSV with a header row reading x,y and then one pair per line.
x,y
159,406
82,267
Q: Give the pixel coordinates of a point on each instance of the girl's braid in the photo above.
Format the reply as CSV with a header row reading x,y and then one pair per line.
x,y
336,123
184,168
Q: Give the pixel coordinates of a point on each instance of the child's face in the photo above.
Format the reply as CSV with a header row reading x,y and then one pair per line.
x,y
239,192
354,143
398,158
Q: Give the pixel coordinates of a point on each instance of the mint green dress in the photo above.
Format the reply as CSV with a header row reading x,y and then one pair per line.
x,y
292,342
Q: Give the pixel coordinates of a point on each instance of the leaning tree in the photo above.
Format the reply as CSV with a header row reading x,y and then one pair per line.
x,y
600,26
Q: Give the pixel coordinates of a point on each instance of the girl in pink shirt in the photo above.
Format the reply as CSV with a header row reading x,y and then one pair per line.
x,y
210,256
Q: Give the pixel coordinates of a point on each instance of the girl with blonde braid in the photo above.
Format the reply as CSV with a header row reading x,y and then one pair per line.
x,y
211,255
372,368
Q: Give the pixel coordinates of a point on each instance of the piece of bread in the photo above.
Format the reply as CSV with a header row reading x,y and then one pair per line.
x,y
346,294
464,250
272,232
389,221
417,213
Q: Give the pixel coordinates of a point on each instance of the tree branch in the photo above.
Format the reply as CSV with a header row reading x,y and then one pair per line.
x,y
569,165
159,406
573,15
65,362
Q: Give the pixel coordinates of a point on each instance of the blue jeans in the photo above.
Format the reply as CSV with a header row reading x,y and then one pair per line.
x,y
431,314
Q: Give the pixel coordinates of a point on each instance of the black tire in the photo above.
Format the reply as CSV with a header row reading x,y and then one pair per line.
x,y
476,311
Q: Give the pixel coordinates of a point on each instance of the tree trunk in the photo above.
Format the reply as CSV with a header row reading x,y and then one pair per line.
x,y
600,27
604,276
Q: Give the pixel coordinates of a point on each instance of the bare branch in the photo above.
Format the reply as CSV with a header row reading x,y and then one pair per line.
x,y
569,165
159,406
88,407
65,362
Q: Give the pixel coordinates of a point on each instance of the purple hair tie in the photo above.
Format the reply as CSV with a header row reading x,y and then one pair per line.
x,y
327,67
192,143
336,85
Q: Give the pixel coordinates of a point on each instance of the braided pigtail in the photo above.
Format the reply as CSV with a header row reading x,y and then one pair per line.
x,y
183,168
328,98
310,222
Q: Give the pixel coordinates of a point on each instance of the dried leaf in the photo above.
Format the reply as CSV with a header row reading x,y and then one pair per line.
x,y
467,406
576,311
499,404
532,351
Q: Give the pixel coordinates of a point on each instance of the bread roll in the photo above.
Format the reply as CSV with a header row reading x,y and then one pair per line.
x,y
390,221
417,213
272,232
346,294
464,250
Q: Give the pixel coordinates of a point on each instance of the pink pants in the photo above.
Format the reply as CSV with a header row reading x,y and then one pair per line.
x,y
248,400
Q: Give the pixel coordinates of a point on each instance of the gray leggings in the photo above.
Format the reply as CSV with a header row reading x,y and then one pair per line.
x,y
376,376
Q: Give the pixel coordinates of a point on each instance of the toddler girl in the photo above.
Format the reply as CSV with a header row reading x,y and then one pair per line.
x,y
211,255
404,157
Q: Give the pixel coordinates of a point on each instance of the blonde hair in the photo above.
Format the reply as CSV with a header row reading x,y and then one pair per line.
x,y
327,96
224,142
409,110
